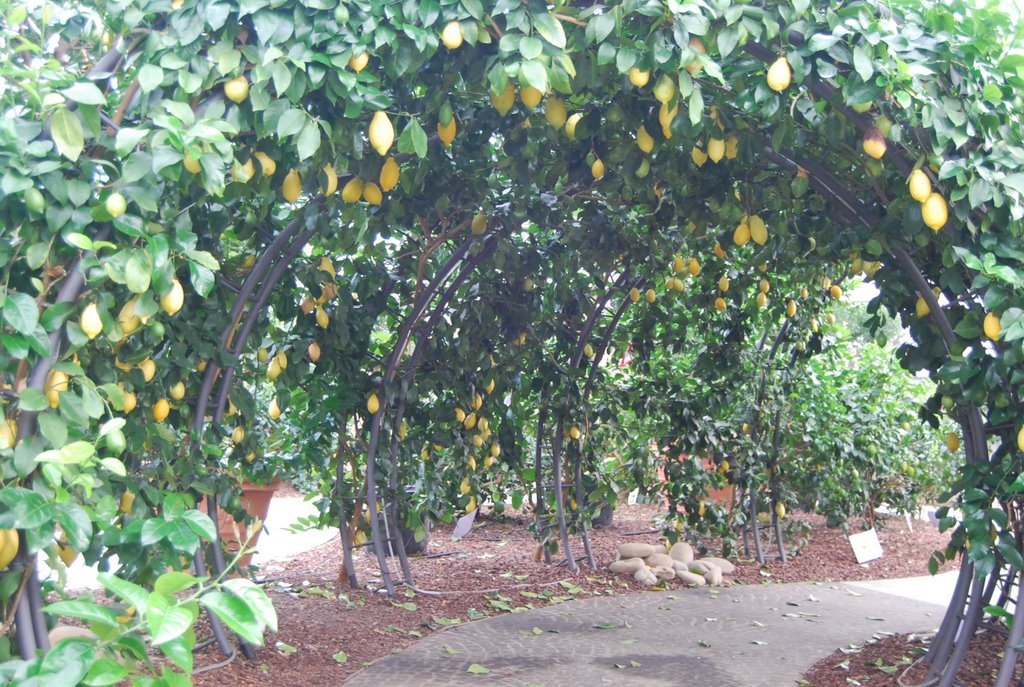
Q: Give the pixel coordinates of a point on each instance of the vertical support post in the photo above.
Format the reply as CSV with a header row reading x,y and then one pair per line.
x,y
556,464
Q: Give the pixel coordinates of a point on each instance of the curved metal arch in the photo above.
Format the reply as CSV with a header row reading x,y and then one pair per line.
x,y
405,334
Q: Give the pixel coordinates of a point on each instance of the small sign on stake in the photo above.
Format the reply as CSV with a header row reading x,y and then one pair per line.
x,y
866,546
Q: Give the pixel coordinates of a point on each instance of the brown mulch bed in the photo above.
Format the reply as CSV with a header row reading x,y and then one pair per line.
x,y
329,631
894,660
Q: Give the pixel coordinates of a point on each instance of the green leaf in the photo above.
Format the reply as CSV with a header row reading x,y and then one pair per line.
x,y
106,671
32,400
66,129
550,29
126,141
308,141
174,581
137,272
340,657
168,624
85,93
129,592
475,9
67,663
291,122
179,651
413,139
477,669
114,466
600,27
530,47
257,600
236,614
150,77
83,610
535,74
696,106
21,312
76,524
992,93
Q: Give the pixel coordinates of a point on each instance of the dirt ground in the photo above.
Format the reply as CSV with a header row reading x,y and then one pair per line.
x,y
328,631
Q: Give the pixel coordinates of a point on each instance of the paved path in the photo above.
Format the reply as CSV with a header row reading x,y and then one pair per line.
x,y
749,636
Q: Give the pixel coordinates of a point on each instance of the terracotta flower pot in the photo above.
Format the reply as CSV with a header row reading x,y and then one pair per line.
x,y
256,502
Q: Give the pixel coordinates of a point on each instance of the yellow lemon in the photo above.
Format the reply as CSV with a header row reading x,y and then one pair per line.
x,y
313,351
874,143
780,511
741,235
237,435
570,125
953,442
126,501
758,230
762,300
161,409
372,194
644,140
555,112
352,191
191,164
359,62
920,185
275,410
446,132
720,304
723,284
373,404
530,97
478,224
130,401
716,149
381,133
148,368
504,102
388,176
836,291
665,89
639,77
780,75
330,180
451,35
597,169
698,156
172,301
267,164
291,187
634,294
323,320
934,211
651,296
992,326
791,308
8,433
237,89
90,321
177,391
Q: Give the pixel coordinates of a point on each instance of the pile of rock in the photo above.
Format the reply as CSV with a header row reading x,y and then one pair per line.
x,y
649,563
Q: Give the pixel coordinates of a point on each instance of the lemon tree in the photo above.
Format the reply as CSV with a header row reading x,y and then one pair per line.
x,y
176,175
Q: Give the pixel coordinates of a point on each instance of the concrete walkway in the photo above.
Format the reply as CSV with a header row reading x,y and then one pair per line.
x,y
749,636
